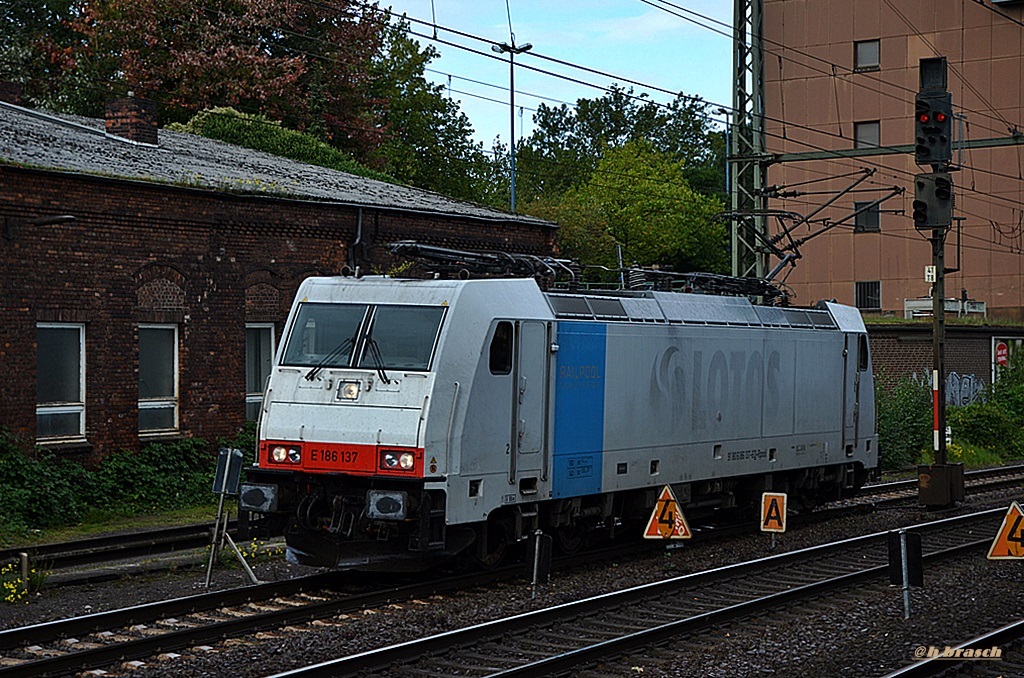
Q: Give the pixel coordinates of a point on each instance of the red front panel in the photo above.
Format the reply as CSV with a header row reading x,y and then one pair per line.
x,y
340,458
357,459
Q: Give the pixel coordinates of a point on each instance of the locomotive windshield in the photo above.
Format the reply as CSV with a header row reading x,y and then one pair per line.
x,y
339,335
405,336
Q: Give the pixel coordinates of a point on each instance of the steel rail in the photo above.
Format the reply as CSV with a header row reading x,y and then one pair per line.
x,y
172,640
976,474
596,652
104,549
935,666
404,652
78,661
11,639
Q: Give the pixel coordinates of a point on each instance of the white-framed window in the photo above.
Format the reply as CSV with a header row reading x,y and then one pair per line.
x,y
158,378
866,55
867,134
259,358
60,380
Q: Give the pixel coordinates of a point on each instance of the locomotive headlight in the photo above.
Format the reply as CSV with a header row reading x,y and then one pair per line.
x,y
348,390
397,460
282,454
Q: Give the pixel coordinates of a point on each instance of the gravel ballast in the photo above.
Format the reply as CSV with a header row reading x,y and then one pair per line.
x,y
855,633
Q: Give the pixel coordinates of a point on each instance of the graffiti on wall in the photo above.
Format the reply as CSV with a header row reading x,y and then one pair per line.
x,y
961,389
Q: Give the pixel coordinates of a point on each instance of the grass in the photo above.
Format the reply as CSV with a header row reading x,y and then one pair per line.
x,y
969,321
98,523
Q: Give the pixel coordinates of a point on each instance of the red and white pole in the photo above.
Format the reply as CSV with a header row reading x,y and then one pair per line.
x,y
935,409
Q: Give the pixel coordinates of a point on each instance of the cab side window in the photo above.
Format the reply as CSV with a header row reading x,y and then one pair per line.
x,y
501,348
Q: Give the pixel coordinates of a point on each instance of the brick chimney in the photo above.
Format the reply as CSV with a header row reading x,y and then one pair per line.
x,y
10,92
133,119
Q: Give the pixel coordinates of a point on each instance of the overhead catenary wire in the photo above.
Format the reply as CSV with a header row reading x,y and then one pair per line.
x,y
696,99
772,44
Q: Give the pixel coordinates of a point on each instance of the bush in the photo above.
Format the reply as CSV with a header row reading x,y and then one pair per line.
x,y
263,134
1007,393
904,423
160,477
38,489
965,453
987,425
244,440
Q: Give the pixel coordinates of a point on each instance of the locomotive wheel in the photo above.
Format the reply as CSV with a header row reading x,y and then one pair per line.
x,y
491,544
569,538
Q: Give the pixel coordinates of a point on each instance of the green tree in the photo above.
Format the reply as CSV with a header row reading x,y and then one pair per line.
x,y
303,62
568,142
41,50
427,141
638,198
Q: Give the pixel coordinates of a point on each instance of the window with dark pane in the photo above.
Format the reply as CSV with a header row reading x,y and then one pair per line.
x,y
868,295
259,358
158,378
501,348
868,219
60,380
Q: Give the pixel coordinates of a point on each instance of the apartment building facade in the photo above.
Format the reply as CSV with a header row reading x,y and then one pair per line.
x,y
843,75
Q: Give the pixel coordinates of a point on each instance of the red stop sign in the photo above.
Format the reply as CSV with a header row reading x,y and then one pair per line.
x,y
1002,353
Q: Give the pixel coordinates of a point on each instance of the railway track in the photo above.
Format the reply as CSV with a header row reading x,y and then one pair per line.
x,y
102,639
1009,640
66,556
987,478
582,633
63,557
148,630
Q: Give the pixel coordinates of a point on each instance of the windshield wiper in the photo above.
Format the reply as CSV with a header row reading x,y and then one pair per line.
x,y
338,350
374,351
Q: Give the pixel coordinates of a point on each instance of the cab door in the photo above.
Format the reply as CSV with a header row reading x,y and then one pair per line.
x,y
852,350
530,378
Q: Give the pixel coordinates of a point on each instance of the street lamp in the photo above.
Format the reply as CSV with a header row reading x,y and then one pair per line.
x,y
512,50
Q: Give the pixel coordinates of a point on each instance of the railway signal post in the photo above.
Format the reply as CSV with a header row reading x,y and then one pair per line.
x,y
225,482
773,513
940,484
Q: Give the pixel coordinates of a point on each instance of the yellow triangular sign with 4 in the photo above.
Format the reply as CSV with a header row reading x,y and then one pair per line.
x,y
667,521
1009,541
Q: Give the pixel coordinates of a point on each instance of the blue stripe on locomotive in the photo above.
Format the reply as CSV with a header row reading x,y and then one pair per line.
x,y
579,409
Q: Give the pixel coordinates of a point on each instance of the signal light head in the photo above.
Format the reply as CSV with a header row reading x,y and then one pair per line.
x,y
940,117
924,118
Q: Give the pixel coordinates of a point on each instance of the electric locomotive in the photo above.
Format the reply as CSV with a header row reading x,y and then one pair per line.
x,y
407,421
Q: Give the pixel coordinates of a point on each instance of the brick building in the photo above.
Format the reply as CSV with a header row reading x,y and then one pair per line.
x,y
145,278
842,76
902,351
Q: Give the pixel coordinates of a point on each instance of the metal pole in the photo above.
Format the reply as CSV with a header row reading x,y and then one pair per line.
x,y
23,559
248,570
939,344
906,574
512,125
216,541
536,561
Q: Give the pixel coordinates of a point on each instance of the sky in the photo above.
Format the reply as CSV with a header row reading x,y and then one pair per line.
x,y
622,38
